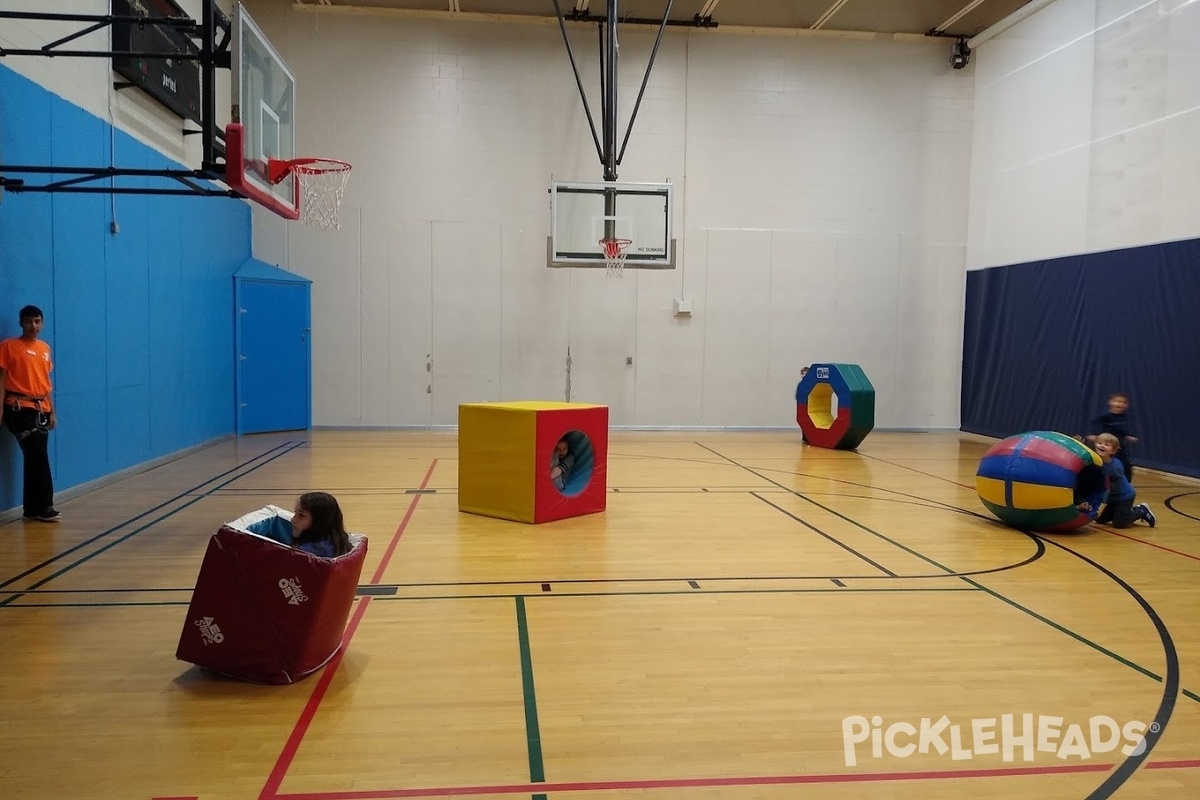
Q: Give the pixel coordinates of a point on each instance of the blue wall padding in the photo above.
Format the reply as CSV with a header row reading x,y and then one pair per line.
x,y
141,322
1046,342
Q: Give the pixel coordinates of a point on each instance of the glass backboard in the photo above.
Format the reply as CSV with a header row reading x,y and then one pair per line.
x,y
263,114
582,214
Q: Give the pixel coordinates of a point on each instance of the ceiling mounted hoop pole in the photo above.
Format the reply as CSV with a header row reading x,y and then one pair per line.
x,y
645,80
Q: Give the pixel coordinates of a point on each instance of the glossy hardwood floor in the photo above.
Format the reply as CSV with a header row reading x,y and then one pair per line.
x,y
750,618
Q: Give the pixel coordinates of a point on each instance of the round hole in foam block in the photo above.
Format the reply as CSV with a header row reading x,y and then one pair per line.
x,y
1036,480
579,447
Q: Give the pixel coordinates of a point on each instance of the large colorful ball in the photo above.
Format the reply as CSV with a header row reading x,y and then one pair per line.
x,y
1036,481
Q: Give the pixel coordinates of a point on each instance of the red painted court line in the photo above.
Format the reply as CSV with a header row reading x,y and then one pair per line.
x,y
1150,544
387,555
292,746
1190,764
699,783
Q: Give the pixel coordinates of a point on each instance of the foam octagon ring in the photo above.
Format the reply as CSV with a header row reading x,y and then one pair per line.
x,y
855,415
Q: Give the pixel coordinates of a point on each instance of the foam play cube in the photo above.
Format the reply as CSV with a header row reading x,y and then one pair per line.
x,y
264,612
506,456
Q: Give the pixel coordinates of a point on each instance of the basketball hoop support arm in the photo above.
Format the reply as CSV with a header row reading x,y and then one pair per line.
x,y
610,156
210,53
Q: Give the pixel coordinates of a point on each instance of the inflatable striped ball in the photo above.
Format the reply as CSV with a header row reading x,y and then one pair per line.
x,y
1036,481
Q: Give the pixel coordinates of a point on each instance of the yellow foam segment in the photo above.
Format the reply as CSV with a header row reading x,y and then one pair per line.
x,y
820,405
1026,496
990,489
1035,497
495,446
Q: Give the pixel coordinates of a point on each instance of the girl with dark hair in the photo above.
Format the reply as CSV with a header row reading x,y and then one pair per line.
x,y
317,526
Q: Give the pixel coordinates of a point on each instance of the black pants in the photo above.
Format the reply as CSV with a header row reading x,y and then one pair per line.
x,y
39,485
1121,513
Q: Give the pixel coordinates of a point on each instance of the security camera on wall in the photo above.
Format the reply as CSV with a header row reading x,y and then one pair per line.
x,y
960,54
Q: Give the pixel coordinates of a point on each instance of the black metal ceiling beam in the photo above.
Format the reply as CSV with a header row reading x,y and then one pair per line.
x,y
86,174
695,22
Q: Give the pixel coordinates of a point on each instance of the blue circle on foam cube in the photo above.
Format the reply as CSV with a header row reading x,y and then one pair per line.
x,y
579,446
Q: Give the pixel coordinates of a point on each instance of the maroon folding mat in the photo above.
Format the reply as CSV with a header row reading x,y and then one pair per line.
x,y
264,612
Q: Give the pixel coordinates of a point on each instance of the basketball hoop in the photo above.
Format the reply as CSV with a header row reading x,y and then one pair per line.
x,y
320,184
614,256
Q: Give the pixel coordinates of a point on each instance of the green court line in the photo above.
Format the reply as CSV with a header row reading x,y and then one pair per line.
x,y
533,738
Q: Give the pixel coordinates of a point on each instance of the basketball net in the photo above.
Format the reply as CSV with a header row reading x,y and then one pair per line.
x,y
320,184
614,256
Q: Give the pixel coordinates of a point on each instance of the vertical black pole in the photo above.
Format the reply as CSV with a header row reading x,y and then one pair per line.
x,y
610,120
610,95
208,93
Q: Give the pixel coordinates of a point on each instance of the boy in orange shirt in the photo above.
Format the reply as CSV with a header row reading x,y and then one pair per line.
x,y
28,412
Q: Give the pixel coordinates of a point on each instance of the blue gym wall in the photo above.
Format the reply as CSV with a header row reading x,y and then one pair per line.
x,y
1046,342
141,322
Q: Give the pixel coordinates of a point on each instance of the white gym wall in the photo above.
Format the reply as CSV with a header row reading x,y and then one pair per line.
x,y
1086,130
820,212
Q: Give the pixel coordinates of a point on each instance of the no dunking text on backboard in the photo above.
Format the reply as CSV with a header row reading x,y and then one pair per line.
x,y
583,214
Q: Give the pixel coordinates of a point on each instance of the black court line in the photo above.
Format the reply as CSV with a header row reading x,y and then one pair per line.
x,y
390,593
1170,503
685,592
36,584
379,597
1039,552
545,587
946,571
375,591
1170,682
1166,705
827,536
131,520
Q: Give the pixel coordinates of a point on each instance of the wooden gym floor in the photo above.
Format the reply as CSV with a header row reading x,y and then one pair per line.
x,y
745,610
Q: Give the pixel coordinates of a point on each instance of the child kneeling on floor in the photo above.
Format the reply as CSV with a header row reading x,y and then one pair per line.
x,y
1119,510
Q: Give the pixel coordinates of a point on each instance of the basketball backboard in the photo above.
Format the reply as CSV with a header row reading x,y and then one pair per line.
x,y
582,214
263,114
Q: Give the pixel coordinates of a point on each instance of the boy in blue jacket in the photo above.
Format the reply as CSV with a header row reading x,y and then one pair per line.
x,y
1119,510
